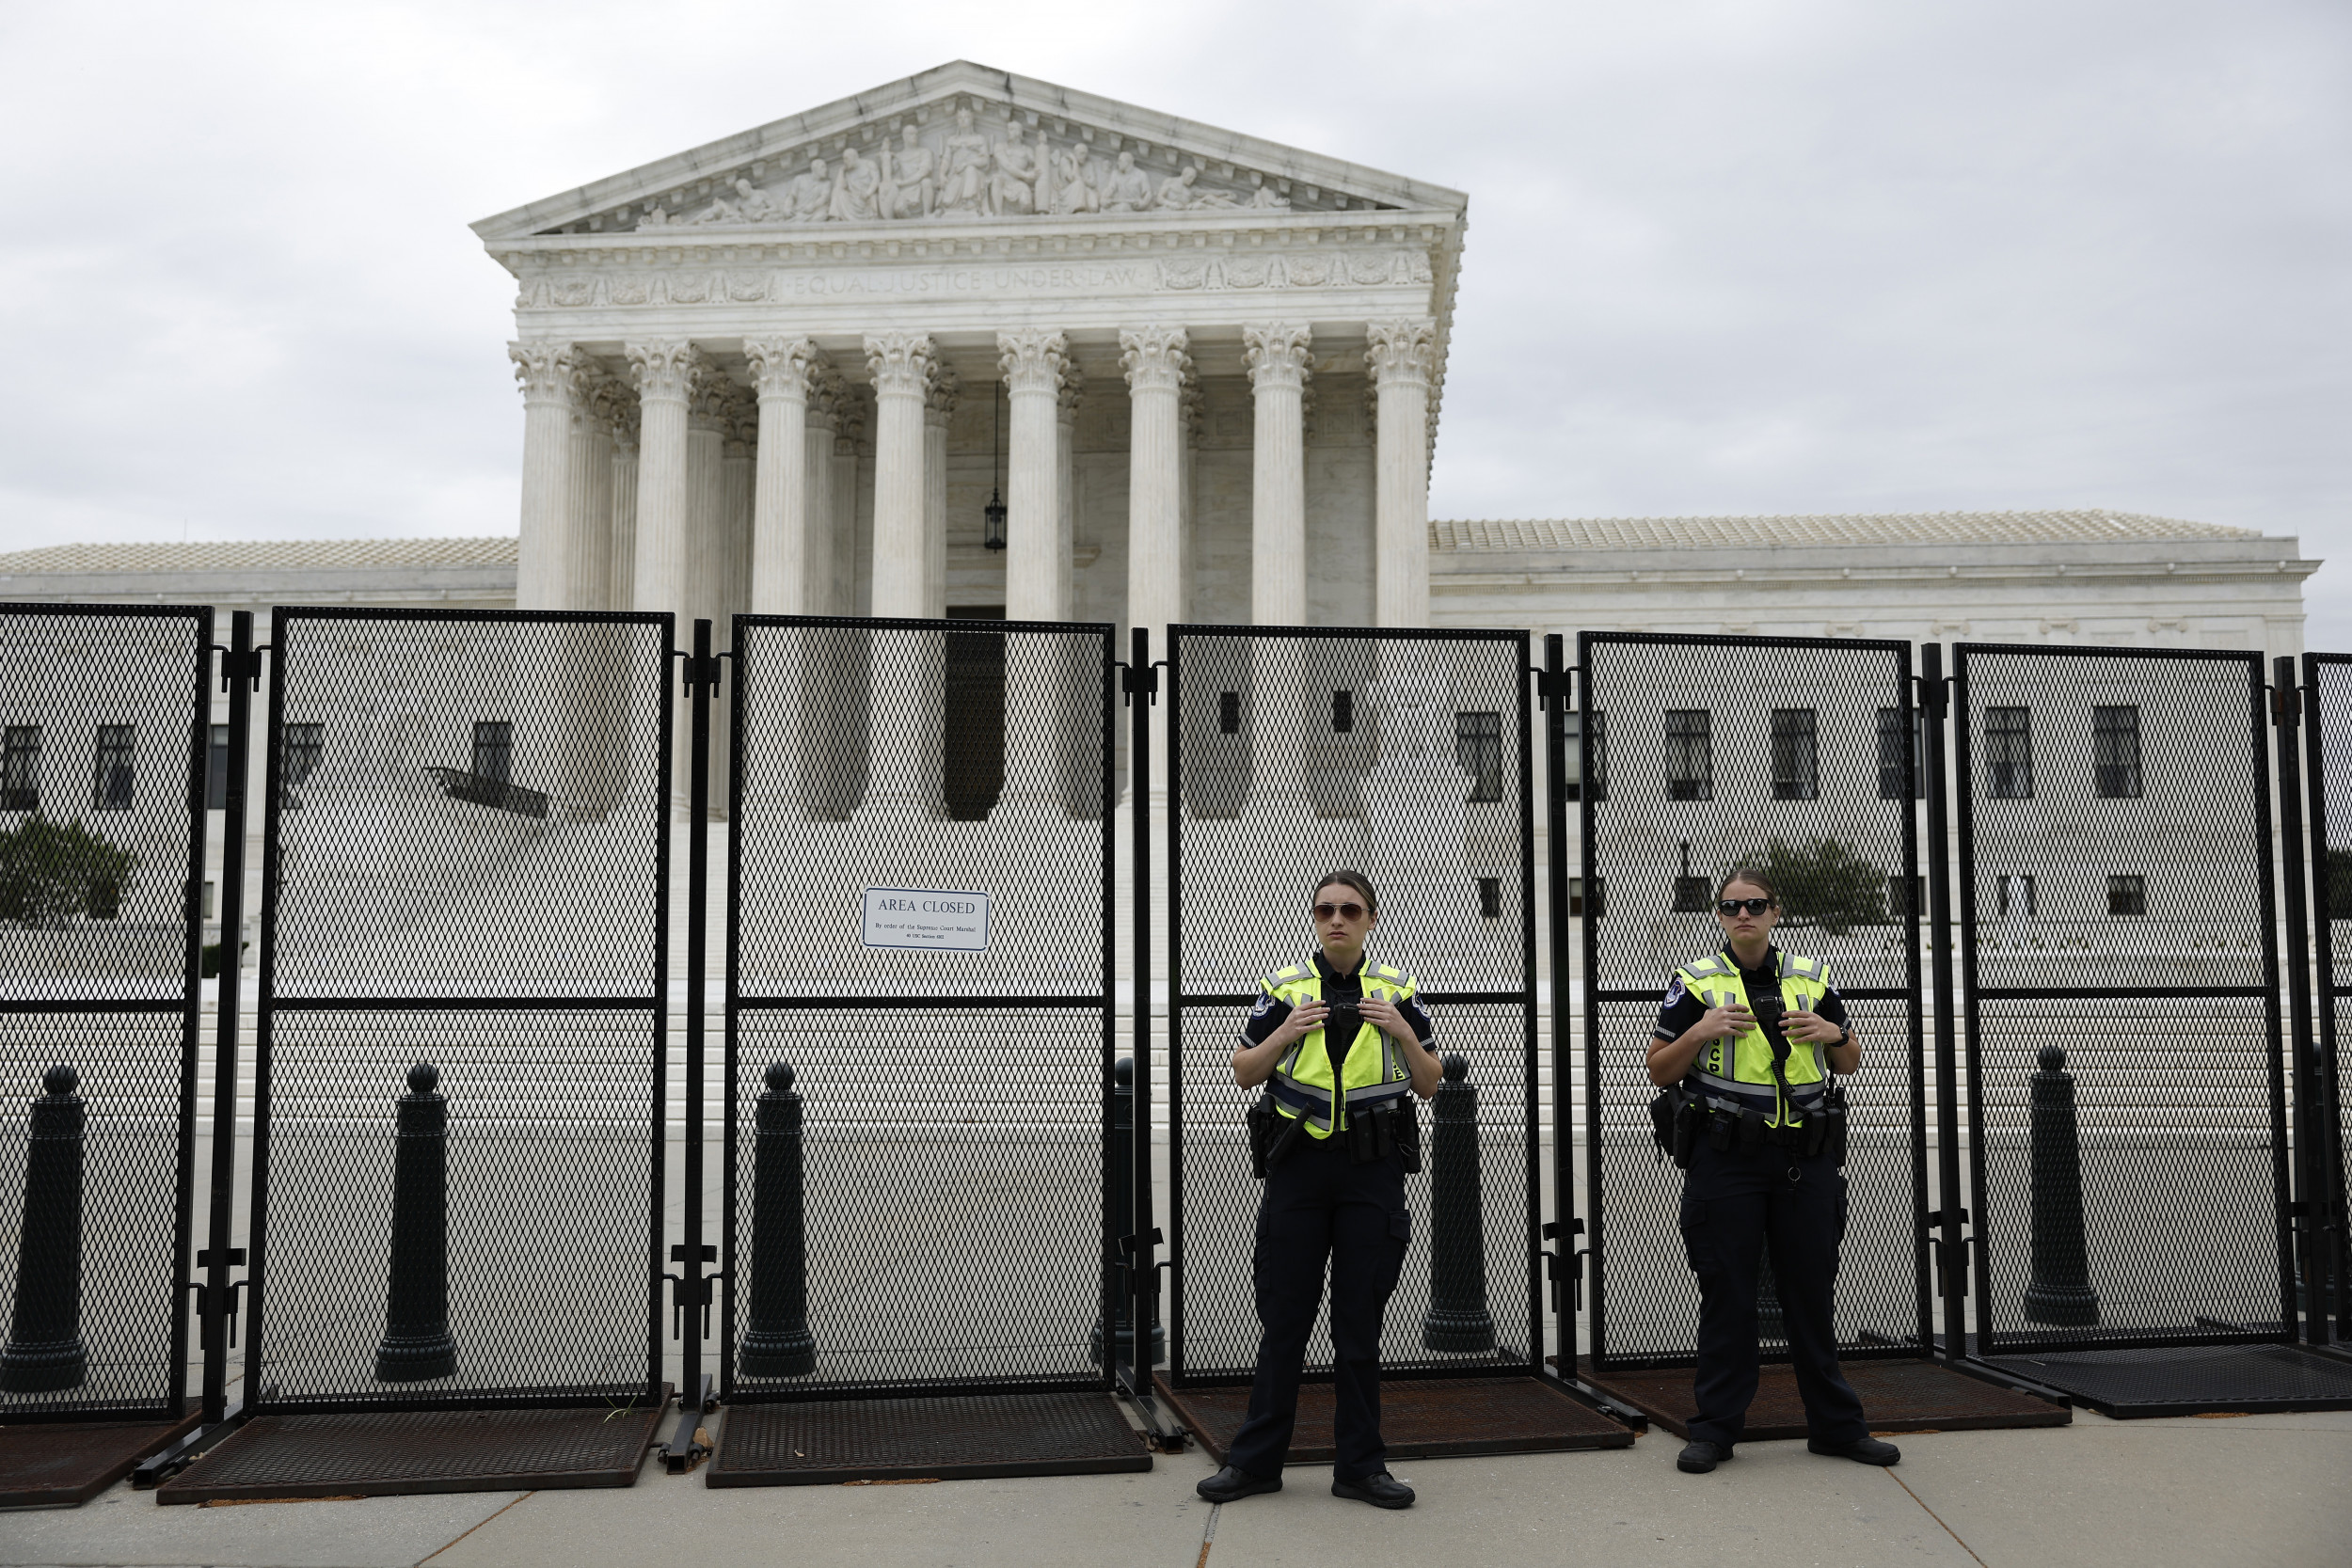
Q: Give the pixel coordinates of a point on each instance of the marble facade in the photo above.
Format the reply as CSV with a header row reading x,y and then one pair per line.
x,y
769,374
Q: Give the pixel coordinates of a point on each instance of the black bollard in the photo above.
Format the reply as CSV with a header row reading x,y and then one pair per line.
x,y
1768,1319
44,1349
417,1342
2060,1293
776,1341
1458,1321
1122,1205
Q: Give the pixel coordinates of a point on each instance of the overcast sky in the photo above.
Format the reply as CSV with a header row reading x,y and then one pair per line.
x,y
1731,257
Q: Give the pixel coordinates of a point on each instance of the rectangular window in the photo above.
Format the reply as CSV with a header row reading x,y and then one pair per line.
x,y
1578,723
1478,747
211,901
1579,905
1906,897
216,771
1228,713
304,744
2115,752
2127,895
1796,754
19,767
2016,898
1690,755
1343,712
493,751
2008,753
1891,755
1694,895
1490,898
110,769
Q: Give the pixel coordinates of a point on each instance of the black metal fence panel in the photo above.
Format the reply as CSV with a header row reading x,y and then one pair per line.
x,y
103,751
463,1030
2328,683
919,1007
1796,755
2120,975
1404,755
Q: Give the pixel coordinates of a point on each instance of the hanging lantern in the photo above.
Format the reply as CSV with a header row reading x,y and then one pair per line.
x,y
993,515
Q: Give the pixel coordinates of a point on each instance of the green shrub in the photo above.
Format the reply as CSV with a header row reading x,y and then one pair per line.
x,y
1825,883
54,872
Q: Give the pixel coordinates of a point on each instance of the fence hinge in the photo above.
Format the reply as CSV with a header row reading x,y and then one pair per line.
x,y
1553,1260
1549,687
2286,706
247,669
1145,679
701,675
1934,695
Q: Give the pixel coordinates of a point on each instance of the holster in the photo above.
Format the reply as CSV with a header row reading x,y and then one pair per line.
x,y
1272,1135
1825,1129
1676,1116
1389,1128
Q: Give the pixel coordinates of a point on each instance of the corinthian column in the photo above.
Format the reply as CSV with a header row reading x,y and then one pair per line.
x,y
1280,360
1066,489
938,408
621,579
1157,365
705,567
903,365
781,367
665,373
587,556
1034,362
818,544
1400,359
544,370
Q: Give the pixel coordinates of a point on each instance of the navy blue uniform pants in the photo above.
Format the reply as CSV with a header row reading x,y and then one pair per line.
x,y
1321,1207
1734,1205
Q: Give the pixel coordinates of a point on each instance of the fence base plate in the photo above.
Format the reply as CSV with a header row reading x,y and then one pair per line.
x,y
961,1437
391,1453
1897,1396
63,1464
1420,1419
2191,1380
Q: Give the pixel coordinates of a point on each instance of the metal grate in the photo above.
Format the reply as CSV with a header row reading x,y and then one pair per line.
x,y
103,729
2327,682
2191,1380
951,1069
2167,1019
520,954
1799,778
1900,1394
1404,755
825,1442
1420,1419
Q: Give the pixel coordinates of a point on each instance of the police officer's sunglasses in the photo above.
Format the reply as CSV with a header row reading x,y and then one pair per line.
x,y
1342,912
1729,906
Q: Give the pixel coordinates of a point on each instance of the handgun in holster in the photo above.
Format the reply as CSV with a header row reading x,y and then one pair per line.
x,y
1272,1135
1676,1116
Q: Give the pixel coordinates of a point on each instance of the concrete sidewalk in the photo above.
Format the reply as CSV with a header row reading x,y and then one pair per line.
x,y
2248,1491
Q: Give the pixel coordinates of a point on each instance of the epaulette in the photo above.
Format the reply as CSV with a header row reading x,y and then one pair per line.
x,y
1284,976
1707,966
1803,969
1387,972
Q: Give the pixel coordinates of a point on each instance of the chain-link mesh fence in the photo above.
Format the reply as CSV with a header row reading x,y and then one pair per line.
x,y
2119,971
462,1037
2328,680
103,763
1798,757
1404,755
919,930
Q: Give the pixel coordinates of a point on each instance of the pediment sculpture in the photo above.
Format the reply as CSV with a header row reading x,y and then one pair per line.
x,y
961,171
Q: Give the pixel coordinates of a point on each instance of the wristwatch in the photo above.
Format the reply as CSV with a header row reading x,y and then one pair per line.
x,y
1845,1037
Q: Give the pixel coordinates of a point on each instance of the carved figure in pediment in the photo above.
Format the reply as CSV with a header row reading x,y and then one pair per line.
x,y
964,178
856,189
1128,189
809,198
720,210
655,218
1264,195
755,205
908,178
1071,187
1176,192
1013,189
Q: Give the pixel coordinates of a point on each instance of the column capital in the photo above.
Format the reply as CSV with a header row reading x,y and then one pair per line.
x,y
783,367
664,371
1033,360
901,362
709,394
1156,358
1277,355
1401,353
739,413
1074,386
543,370
945,390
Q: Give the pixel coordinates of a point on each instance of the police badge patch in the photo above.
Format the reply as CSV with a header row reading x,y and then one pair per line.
x,y
1265,1004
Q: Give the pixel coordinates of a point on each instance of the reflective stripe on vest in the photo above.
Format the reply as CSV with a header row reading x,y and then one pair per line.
x,y
1749,1083
1373,1069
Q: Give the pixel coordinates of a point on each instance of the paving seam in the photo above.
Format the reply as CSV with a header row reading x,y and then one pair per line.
x,y
1934,1515
1208,1537
469,1529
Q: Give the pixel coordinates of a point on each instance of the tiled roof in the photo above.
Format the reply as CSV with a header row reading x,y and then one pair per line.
x,y
1915,527
264,555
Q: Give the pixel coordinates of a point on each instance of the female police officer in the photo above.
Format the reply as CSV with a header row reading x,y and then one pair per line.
x,y
1335,1189
1752,1035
